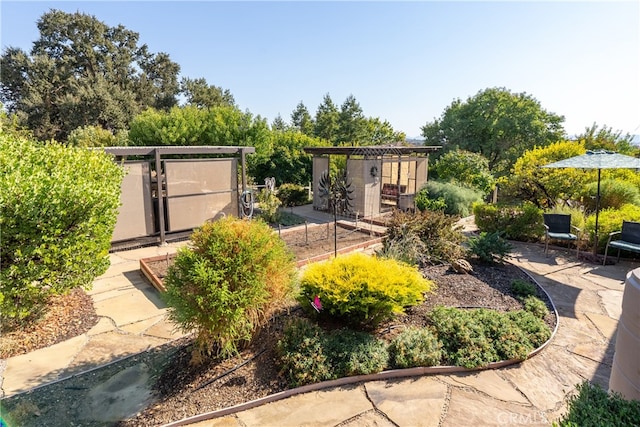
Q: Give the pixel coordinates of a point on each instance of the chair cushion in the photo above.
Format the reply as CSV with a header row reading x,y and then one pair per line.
x,y
563,236
621,244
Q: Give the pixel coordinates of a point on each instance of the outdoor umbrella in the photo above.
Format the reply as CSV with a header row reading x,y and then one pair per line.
x,y
599,160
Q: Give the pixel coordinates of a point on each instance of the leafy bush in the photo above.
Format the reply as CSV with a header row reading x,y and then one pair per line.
x,y
58,209
594,407
415,347
301,353
523,223
269,204
95,136
465,168
440,239
293,195
355,353
523,288
228,283
458,200
535,306
473,338
307,354
610,220
489,246
424,203
614,193
362,290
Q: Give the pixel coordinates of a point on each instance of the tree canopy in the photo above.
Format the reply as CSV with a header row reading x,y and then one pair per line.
x,y
83,72
466,169
605,138
496,123
202,95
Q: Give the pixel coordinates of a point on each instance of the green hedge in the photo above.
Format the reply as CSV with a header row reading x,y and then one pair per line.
x,y
523,223
58,208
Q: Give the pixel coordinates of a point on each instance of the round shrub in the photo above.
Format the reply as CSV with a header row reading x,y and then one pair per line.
x,y
228,283
58,209
522,222
415,347
458,200
293,195
301,353
356,353
362,290
536,306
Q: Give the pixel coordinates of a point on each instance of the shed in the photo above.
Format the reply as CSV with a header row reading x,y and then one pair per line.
x,y
383,177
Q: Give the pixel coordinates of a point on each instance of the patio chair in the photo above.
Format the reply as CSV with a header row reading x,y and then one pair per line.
x,y
628,239
558,226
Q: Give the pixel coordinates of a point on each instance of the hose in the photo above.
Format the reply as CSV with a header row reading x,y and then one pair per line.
x,y
246,204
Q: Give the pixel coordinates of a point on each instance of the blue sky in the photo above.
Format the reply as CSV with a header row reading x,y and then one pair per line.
x,y
404,62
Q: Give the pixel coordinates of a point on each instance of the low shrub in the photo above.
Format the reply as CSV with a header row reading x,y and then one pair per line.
x,y
301,353
537,331
523,288
489,247
458,200
415,347
405,247
58,209
472,338
463,339
522,223
593,406
361,290
293,195
355,353
509,340
535,306
439,236
307,354
235,275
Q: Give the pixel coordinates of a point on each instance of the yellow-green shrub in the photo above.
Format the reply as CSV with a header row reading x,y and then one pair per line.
x,y
228,283
362,290
610,220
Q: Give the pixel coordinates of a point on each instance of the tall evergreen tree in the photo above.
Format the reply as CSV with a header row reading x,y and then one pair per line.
x,y
301,119
326,122
279,124
351,123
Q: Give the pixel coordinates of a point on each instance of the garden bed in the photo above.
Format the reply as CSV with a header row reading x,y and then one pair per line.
x,y
182,390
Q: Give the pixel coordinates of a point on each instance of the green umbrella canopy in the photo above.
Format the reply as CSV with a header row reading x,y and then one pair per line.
x,y
600,159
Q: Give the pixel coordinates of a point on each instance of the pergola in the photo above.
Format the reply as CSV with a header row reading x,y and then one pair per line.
x,y
384,177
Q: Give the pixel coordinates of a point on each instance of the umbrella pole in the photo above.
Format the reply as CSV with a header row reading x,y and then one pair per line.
x,y
595,245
